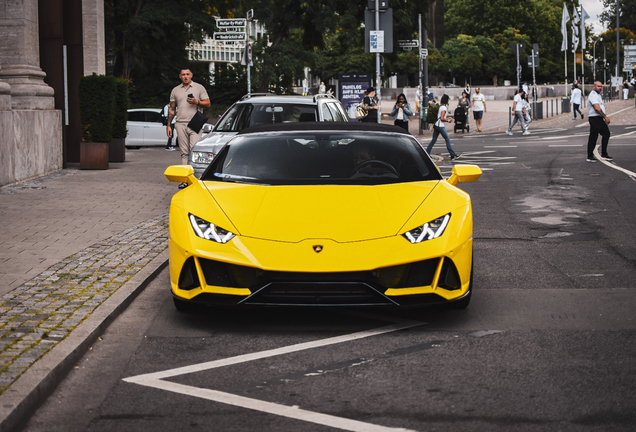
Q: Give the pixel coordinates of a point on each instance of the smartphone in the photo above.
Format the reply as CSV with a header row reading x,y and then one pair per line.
x,y
190,95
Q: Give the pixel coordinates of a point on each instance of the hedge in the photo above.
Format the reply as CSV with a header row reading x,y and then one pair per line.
x,y
97,95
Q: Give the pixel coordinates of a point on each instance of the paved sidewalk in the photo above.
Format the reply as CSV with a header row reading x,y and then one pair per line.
x,y
496,118
68,242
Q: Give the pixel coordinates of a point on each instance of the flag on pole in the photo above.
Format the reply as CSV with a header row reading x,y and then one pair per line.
x,y
584,17
564,28
575,30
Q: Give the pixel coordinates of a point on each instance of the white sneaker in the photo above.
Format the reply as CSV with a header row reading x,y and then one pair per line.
x,y
509,133
526,133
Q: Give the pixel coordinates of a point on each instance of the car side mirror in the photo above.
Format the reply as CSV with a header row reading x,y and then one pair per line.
x,y
464,173
180,174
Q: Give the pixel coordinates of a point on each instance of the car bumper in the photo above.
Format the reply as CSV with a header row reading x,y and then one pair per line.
x,y
384,272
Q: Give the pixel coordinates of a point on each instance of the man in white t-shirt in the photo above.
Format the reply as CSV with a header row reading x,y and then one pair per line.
x,y
598,123
575,98
520,114
479,107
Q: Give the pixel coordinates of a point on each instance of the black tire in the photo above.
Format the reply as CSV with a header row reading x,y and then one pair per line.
x,y
465,301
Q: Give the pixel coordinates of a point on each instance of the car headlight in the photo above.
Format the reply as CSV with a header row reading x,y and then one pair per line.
x,y
209,231
428,231
202,157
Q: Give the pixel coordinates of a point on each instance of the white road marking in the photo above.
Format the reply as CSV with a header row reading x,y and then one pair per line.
x,y
502,146
611,165
630,134
156,380
565,145
292,412
624,109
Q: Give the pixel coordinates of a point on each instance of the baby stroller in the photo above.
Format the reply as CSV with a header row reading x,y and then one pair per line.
x,y
461,120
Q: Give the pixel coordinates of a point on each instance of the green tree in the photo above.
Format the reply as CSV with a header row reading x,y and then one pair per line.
x,y
147,40
506,21
609,38
627,16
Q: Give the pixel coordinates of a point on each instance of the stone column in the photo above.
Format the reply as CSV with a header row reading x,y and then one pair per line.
x,y
5,95
93,36
20,55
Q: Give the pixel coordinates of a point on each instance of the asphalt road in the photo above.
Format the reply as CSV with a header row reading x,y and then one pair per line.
x,y
548,342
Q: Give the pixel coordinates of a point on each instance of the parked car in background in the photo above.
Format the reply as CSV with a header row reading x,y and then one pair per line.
x,y
258,109
145,128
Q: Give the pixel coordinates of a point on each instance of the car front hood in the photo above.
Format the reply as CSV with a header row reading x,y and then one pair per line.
x,y
340,213
213,142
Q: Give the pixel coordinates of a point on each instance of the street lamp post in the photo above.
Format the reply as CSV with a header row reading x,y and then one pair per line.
x,y
594,55
618,36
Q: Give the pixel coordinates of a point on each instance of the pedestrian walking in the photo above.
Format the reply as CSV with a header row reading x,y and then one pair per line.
x,y
520,113
371,106
625,90
524,87
598,124
479,107
527,111
467,90
440,129
322,89
164,115
305,87
575,98
188,97
401,112
464,102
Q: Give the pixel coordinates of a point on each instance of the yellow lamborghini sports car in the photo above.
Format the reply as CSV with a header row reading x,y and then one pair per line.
x,y
321,214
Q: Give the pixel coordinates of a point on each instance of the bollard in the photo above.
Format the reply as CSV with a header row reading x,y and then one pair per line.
x,y
509,116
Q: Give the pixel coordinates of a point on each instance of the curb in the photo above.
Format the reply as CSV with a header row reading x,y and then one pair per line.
x,y
38,382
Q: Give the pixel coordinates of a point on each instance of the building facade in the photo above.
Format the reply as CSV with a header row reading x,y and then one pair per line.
x,y
46,46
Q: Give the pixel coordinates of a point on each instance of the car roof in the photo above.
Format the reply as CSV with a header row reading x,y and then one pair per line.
x,y
267,98
324,126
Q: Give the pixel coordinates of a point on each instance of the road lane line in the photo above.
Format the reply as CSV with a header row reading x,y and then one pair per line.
x,y
156,380
565,145
608,115
275,352
292,412
611,165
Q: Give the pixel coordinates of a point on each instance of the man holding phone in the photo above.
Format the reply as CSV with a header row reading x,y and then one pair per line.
x,y
185,100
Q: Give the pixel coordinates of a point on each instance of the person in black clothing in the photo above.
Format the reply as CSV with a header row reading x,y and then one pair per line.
x,y
371,105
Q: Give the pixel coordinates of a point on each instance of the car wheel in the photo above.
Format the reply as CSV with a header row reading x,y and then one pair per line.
x,y
465,301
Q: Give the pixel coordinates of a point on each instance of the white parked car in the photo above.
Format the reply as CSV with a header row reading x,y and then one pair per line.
x,y
145,128
259,108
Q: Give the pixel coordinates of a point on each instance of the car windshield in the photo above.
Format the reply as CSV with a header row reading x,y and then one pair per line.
x,y
326,157
243,115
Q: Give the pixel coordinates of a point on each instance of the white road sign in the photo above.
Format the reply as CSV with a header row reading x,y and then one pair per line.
x,y
230,36
224,23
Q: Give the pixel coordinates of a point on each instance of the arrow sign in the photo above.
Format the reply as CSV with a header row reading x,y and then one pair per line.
x,y
408,43
230,36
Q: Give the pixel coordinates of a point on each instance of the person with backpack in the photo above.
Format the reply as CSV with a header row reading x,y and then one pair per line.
x,y
440,129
